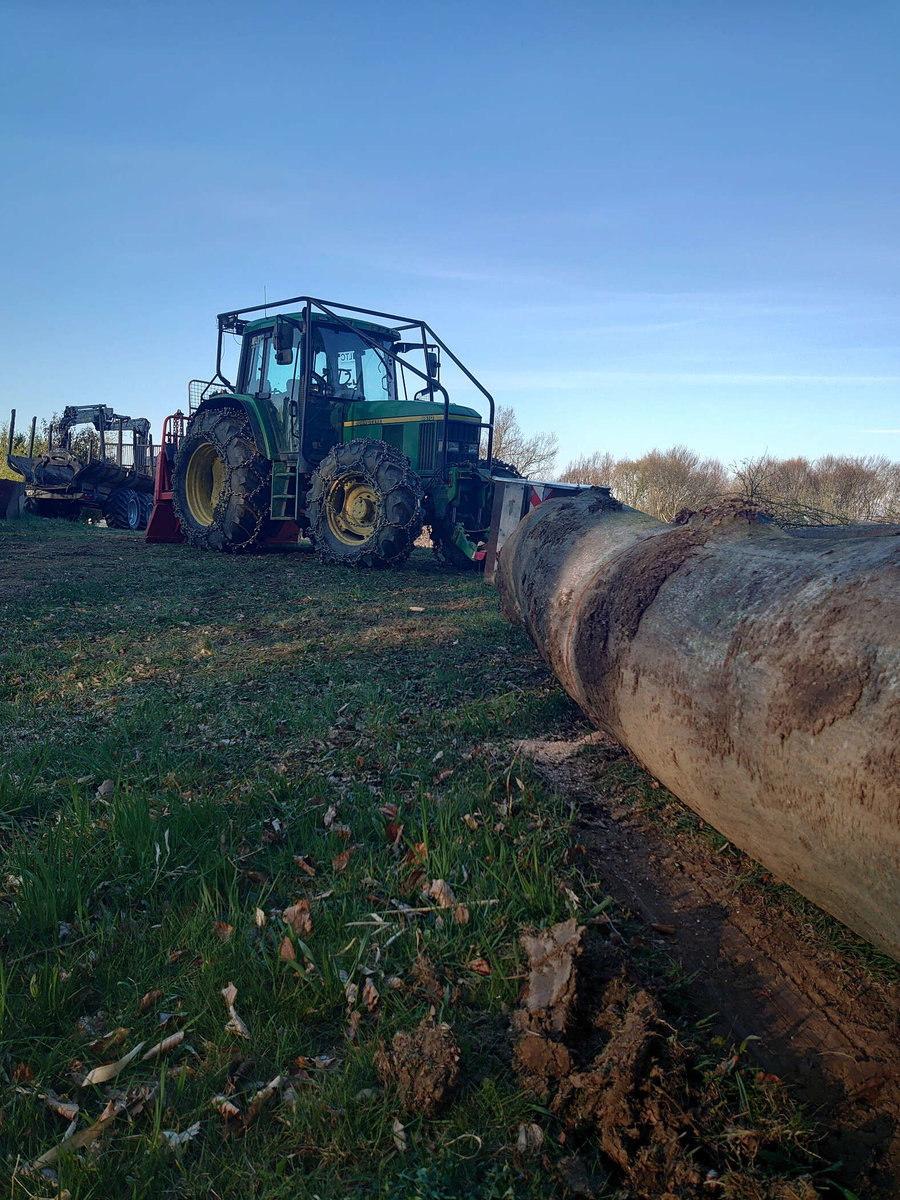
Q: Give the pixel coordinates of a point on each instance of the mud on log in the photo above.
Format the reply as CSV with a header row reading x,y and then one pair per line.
x,y
755,671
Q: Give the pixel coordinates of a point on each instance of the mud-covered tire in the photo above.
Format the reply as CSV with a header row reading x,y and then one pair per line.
x,y
123,509
221,483
146,502
364,505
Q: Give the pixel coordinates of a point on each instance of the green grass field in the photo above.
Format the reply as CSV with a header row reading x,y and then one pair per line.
x,y
193,744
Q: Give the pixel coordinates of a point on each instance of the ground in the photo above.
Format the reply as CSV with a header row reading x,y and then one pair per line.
x,y
283,846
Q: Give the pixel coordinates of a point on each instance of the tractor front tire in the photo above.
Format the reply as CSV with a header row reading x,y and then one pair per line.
x,y
123,509
221,483
364,505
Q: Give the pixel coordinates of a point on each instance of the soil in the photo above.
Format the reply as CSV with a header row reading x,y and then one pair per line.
x,y
423,1066
815,1018
594,1044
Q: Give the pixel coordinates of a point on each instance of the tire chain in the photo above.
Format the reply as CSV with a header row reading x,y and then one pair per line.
x,y
244,431
414,484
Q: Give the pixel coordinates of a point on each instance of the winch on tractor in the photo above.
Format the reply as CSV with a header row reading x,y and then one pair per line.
x,y
319,436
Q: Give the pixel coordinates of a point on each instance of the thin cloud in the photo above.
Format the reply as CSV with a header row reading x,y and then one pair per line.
x,y
565,380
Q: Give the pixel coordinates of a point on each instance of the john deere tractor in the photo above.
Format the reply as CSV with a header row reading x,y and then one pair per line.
x,y
337,427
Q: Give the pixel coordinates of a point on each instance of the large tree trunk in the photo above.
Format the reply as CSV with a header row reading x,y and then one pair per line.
x,y
754,671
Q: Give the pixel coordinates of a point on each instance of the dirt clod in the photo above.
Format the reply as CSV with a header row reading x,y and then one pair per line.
x,y
423,1065
593,1041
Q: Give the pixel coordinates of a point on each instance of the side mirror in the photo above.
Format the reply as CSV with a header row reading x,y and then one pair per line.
x,y
434,365
283,339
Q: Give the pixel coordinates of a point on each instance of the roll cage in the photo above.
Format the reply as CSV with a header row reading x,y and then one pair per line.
x,y
430,346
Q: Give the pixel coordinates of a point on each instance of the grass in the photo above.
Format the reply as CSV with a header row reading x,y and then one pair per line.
x,y
193,743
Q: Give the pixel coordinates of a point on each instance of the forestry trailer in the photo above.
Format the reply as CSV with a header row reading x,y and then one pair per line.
x,y
319,436
108,466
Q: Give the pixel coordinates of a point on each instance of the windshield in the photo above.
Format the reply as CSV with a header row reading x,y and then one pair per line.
x,y
347,368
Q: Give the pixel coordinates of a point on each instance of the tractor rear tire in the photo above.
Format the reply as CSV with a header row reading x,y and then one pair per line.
x,y
221,483
364,505
123,509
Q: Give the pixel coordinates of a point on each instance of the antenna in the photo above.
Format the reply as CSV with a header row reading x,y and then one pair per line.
x,y
266,300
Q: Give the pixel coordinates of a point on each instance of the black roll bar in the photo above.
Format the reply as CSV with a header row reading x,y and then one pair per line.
x,y
232,322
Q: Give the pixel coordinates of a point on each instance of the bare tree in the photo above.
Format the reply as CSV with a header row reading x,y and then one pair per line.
x,y
531,454
660,483
597,469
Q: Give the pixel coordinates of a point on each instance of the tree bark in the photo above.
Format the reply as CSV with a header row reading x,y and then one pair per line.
x,y
754,671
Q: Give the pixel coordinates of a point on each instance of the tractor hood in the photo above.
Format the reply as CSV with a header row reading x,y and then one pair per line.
x,y
373,411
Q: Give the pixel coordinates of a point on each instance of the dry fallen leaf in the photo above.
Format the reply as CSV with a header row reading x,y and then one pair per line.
x,y
531,1137
260,918
330,814
262,1097
73,1141
370,995
442,776
235,1024
416,608
63,1108
164,1046
116,1038
442,892
297,917
176,1140
480,966
286,950
105,790
340,861
111,1070
222,930
471,821
393,832
391,811
401,1141
301,862
148,1000
461,914
353,1023
226,1109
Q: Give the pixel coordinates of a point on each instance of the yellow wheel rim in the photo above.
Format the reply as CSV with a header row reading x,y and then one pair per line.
x,y
204,481
352,510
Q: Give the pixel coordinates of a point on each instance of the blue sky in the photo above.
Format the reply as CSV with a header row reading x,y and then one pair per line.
x,y
640,224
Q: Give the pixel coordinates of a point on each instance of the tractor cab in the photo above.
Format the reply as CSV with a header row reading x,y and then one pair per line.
x,y
320,375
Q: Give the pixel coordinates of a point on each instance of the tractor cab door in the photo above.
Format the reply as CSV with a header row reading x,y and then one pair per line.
x,y
343,369
323,418
275,385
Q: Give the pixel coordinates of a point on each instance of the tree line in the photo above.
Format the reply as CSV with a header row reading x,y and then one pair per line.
x,y
832,488
837,488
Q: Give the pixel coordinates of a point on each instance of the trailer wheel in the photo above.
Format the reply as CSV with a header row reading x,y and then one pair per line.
x,y
123,509
146,503
364,505
221,483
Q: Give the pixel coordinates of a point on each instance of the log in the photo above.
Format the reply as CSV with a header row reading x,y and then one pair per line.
x,y
753,670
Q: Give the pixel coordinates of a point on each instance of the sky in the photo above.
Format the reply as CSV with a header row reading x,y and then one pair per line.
x,y
640,224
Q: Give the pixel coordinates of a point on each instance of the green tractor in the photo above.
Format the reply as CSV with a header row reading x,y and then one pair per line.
x,y
337,428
